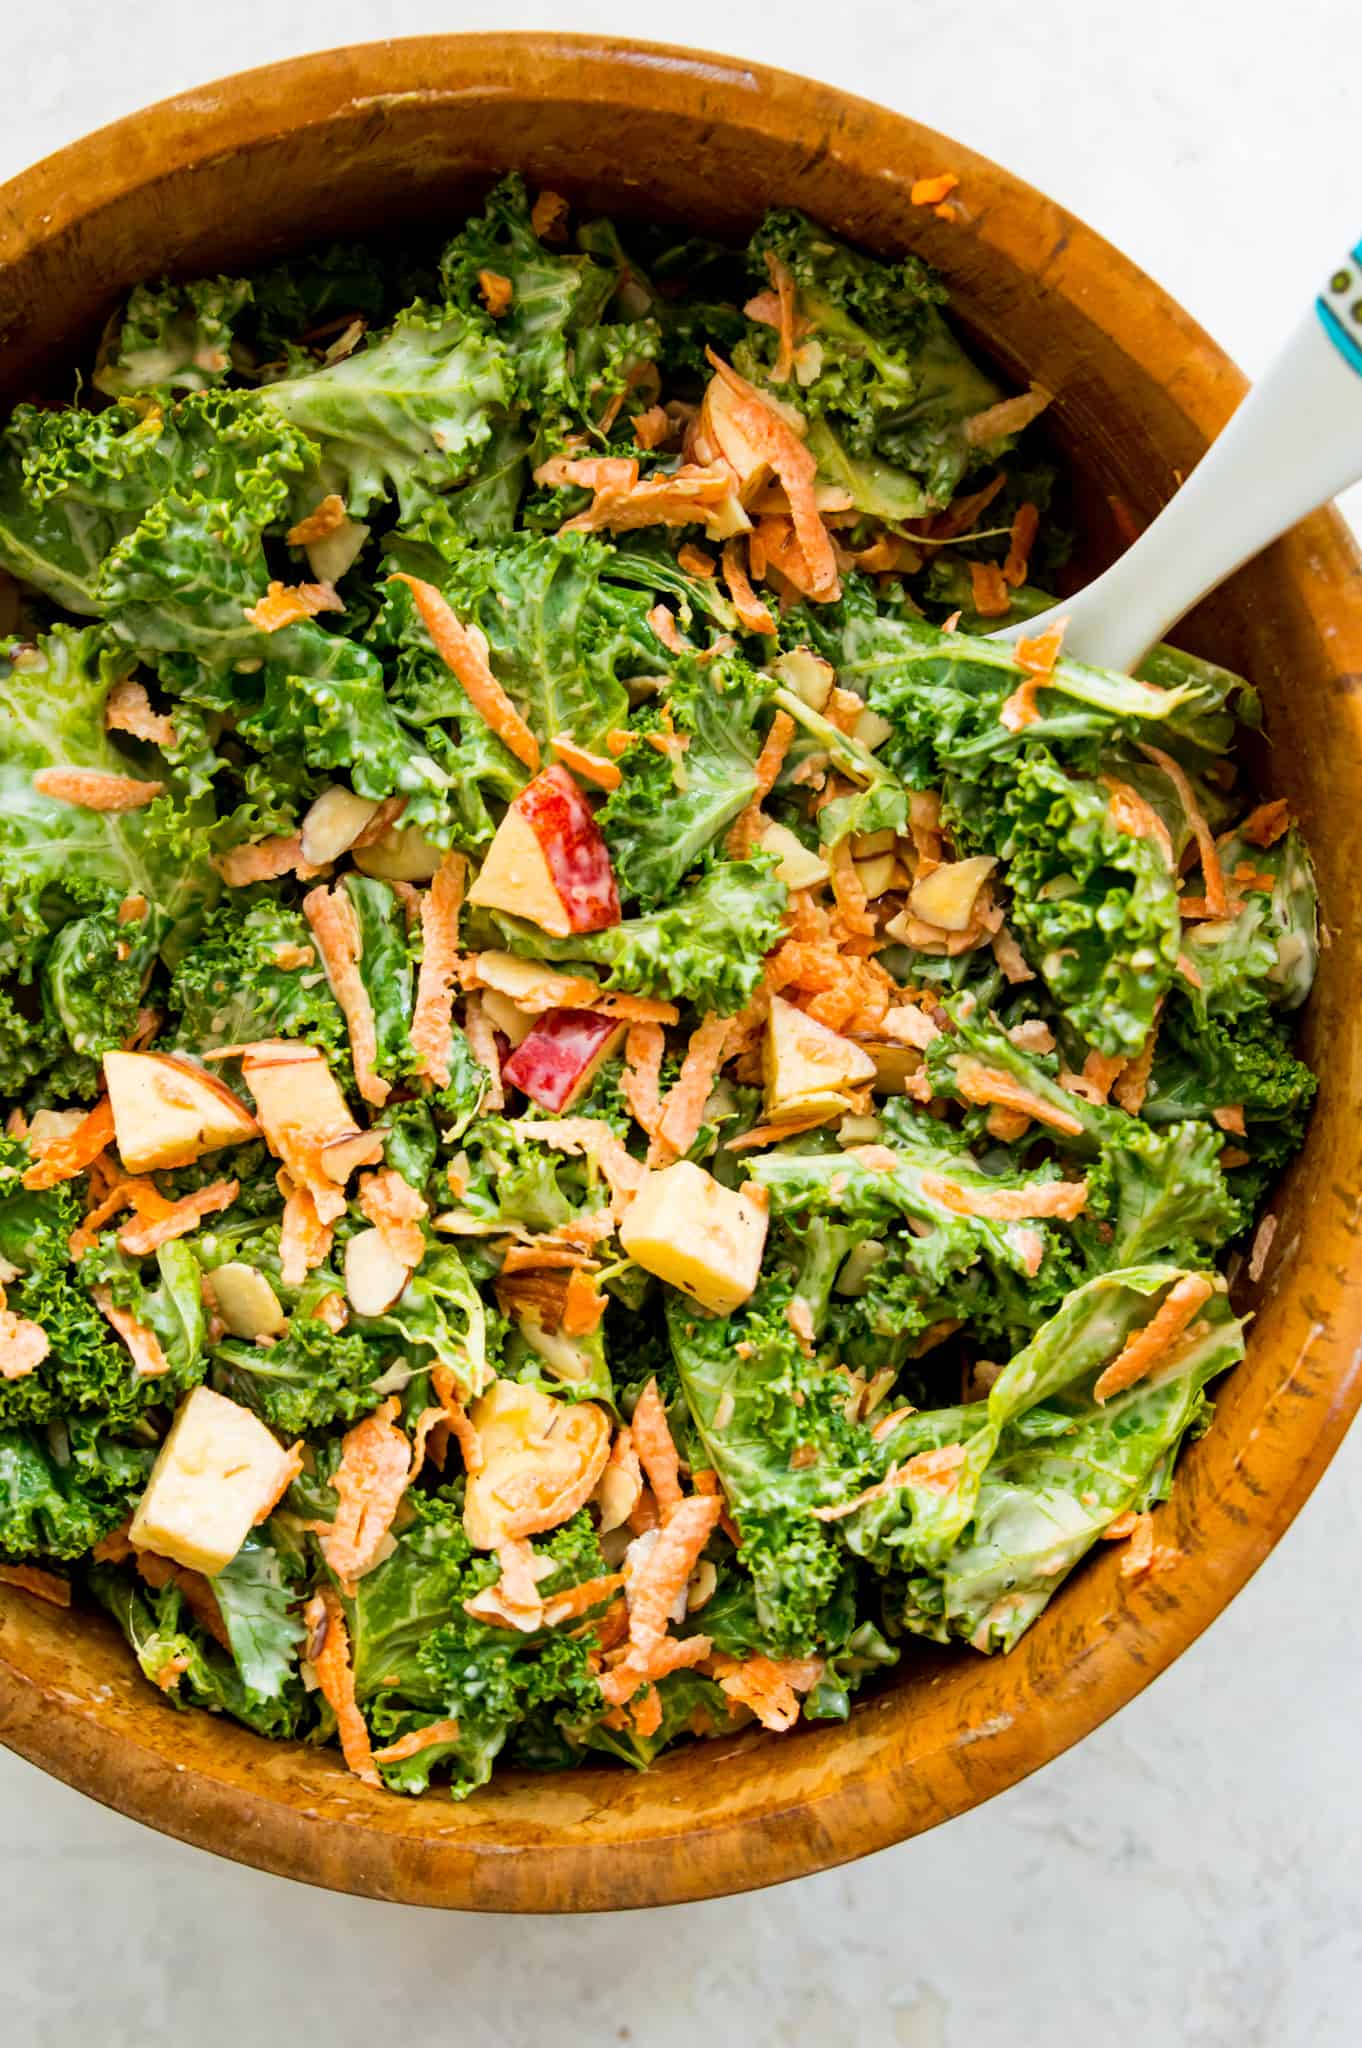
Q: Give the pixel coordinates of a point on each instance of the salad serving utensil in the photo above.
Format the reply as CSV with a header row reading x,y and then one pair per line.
x,y
1294,443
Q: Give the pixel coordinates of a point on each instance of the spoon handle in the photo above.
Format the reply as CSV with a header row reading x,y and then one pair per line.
x,y
1295,442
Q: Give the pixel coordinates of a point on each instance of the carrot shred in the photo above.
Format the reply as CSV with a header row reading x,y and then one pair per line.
x,y
416,1740
1132,1084
1021,540
652,1592
127,708
396,1211
656,1451
147,1356
370,1481
196,1590
1062,1198
70,1156
778,444
643,1050
147,1233
583,1305
433,1011
287,604
782,280
304,1236
694,494
1009,416
847,888
683,1109
496,292
329,1654
746,826
335,927
90,789
597,768
769,1686
935,1470
323,519
1217,897
696,561
265,860
1144,1348
463,649
1135,815
988,591
983,1084
1265,826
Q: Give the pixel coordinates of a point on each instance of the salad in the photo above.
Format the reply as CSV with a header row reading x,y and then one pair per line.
x,y
610,1111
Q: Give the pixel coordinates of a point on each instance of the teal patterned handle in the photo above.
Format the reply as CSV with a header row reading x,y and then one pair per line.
x,y
1339,307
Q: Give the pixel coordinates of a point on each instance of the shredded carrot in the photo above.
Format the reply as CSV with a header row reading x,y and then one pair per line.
x,y
768,1686
1230,1117
847,888
432,1735
304,1235
988,590
933,1470
145,1235
481,1034
663,622
962,513
771,1134
596,768
778,444
396,1210
683,1109
1265,826
127,708
323,519
1009,416
696,561
370,1481
72,1155
1212,875
23,1345
432,1013
335,927
782,280
31,1578
583,1306
931,191
653,1591
643,1050
1063,1198
147,1356
265,860
694,494
497,292
1132,1084
1021,540
1145,1347
548,216
652,428
329,1655
89,789
290,1465
770,761
460,1423
1135,815
286,604
656,1450
464,650
984,1084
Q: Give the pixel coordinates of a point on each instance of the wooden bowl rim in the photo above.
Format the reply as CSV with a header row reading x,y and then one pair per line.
x,y
602,1840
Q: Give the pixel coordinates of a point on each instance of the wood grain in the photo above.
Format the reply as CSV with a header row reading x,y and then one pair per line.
x,y
246,169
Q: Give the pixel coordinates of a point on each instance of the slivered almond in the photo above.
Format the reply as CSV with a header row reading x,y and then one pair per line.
x,y
340,1156
374,1277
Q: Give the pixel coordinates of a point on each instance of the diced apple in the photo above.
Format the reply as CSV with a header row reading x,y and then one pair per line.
x,y
876,874
558,1061
246,1302
333,823
306,1120
548,862
168,1113
218,1469
946,896
329,557
403,854
895,1065
541,1459
806,1066
871,730
799,868
807,674
513,1024
340,1156
702,1238
374,1275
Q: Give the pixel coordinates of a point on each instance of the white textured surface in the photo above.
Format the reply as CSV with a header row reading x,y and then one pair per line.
x,y
1190,1874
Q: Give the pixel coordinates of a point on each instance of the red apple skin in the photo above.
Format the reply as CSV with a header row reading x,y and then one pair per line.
x,y
557,1062
579,862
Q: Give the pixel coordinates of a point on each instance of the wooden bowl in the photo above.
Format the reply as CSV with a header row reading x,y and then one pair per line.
x,y
240,171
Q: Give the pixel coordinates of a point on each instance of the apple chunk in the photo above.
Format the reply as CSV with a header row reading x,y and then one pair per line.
x,y
218,1470
168,1113
548,862
695,1234
806,1066
561,1057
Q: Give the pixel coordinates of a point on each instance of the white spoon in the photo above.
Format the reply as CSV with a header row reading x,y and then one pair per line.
x,y
1295,442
